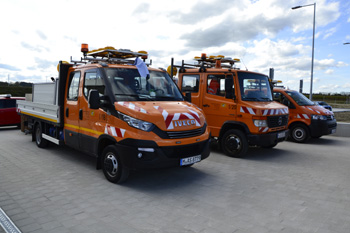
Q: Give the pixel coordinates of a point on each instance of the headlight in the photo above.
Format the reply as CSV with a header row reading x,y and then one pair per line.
x,y
319,117
136,123
260,123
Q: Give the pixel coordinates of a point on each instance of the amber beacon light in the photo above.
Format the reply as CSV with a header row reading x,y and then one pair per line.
x,y
84,48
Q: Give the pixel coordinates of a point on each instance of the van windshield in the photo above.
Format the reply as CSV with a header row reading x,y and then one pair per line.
x,y
254,87
128,85
300,99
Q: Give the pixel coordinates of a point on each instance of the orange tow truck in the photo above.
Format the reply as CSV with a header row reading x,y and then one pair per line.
x,y
112,105
238,104
306,119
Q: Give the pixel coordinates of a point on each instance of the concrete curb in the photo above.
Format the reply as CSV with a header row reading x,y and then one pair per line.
x,y
343,130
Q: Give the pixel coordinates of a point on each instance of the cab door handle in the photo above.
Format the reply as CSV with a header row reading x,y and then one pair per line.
x,y
80,114
206,105
67,112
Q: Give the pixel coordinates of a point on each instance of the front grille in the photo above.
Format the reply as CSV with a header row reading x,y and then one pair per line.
x,y
179,134
185,134
277,121
184,151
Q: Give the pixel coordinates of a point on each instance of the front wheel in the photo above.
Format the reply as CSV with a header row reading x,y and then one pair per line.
x,y
299,133
112,167
39,140
234,143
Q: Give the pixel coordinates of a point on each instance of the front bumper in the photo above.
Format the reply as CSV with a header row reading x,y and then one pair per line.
x,y
267,139
139,154
319,128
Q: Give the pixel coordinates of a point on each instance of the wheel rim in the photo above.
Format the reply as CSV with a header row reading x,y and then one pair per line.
x,y
38,135
233,143
299,134
111,164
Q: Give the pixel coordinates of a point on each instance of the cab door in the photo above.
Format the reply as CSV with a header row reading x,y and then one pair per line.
x,y
91,121
190,83
71,110
217,107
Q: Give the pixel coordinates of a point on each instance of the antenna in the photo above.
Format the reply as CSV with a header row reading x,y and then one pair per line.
x,y
244,64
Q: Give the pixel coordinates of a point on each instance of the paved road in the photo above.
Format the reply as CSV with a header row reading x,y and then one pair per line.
x,y
291,188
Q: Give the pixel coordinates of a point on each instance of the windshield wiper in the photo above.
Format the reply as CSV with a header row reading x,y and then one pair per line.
x,y
250,98
265,98
123,94
146,97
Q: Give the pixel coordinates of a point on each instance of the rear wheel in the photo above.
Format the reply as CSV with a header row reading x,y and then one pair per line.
x,y
39,140
112,167
299,133
234,143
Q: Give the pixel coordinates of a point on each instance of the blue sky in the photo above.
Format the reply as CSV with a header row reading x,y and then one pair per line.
x,y
264,34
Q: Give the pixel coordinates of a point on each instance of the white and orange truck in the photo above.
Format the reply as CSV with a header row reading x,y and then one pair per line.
x,y
306,119
112,105
238,104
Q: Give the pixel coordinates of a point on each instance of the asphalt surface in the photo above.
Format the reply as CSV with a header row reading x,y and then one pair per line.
x,y
290,188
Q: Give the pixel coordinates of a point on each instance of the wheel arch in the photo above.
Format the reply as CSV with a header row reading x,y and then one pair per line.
x,y
233,125
103,141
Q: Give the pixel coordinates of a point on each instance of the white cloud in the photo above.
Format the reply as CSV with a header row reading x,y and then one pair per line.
x,y
329,32
329,71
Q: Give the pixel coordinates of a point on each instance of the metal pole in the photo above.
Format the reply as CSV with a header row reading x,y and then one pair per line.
x,y
313,48
313,45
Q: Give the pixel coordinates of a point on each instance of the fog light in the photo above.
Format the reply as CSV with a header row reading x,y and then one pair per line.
x,y
139,155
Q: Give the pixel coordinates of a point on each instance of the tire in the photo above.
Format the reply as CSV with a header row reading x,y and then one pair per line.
x,y
299,133
39,140
112,167
234,143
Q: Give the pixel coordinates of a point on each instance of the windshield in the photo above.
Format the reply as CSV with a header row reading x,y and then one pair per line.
x,y
254,87
299,98
127,85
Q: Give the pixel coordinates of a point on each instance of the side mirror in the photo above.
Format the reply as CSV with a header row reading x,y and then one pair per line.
x,y
188,96
229,88
94,99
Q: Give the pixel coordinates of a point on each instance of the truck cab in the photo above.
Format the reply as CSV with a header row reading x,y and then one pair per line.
x,y
130,116
238,104
306,119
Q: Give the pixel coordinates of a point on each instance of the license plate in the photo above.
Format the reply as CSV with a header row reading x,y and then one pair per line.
x,y
281,135
190,160
333,131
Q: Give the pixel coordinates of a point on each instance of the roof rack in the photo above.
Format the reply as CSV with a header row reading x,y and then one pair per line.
x,y
110,55
205,62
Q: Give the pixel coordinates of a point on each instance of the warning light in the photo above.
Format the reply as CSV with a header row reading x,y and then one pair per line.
x,y
84,48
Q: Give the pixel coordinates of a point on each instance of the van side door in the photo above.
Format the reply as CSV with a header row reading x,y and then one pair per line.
x,y
71,113
217,108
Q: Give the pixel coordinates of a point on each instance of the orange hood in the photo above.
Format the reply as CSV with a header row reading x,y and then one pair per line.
x,y
173,116
315,109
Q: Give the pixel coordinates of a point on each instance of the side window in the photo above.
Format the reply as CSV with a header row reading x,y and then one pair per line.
x,y
279,97
216,85
94,81
8,103
190,83
73,89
